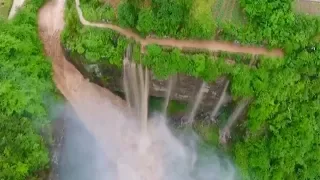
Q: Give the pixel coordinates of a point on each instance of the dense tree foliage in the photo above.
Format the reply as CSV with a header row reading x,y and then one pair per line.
x,y
165,63
22,149
176,18
92,43
146,21
283,125
127,15
26,87
200,23
170,15
96,44
94,10
273,23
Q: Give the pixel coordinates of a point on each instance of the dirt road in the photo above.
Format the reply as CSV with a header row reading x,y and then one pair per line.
x,y
210,45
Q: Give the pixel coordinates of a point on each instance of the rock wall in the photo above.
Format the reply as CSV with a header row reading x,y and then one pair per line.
x,y
185,88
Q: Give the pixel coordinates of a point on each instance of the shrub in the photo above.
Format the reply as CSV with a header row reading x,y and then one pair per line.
x,y
146,21
22,150
201,24
95,10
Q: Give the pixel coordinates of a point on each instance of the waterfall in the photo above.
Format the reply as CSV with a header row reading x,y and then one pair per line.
x,y
197,102
217,107
172,80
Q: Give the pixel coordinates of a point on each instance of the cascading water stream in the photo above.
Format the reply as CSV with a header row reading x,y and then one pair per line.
x,y
178,159
145,96
136,86
126,82
197,102
217,107
172,80
225,132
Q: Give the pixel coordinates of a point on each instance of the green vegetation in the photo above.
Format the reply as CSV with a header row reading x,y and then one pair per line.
x,y
127,15
92,43
237,15
145,22
228,11
176,18
96,44
5,6
283,28
201,23
23,150
95,10
26,86
209,132
163,17
156,104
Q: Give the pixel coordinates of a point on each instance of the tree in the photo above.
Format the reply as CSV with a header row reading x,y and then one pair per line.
x,y
146,21
170,15
23,151
127,15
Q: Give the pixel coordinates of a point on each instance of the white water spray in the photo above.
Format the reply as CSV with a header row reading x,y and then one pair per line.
x,y
132,146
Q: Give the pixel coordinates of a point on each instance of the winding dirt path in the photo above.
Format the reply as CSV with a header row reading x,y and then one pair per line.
x,y
210,45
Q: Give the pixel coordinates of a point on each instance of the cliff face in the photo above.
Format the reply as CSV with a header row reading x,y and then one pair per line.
x,y
185,87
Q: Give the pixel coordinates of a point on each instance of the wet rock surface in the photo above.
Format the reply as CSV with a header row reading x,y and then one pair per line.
x,y
185,88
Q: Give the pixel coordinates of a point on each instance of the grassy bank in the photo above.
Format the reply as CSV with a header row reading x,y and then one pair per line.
x,y
5,6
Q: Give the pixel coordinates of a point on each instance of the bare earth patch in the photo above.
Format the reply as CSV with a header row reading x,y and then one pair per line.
x,y
307,7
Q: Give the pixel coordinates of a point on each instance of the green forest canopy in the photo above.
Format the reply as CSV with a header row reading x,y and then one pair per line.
x,y
26,87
